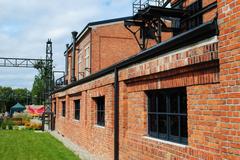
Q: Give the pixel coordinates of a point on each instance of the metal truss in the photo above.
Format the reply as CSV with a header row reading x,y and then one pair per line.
x,y
47,66
152,17
20,62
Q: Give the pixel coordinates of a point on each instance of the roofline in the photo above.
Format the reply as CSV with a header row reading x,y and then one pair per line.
x,y
90,24
192,36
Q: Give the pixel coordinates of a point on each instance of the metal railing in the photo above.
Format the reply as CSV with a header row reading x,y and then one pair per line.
x,y
141,4
60,81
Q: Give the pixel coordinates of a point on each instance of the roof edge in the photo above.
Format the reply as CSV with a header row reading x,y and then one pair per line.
x,y
192,36
95,23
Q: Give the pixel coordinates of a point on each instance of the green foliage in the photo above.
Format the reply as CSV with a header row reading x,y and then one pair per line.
x,y
40,82
7,123
24,116
10,124
4,125
38,90
1,123
39,66
9,97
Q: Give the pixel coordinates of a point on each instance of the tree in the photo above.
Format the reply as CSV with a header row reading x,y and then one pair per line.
x,y
40,83
22,96
9,97
38,90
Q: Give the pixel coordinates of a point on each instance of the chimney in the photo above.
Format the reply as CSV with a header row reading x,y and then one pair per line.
x,y
74,36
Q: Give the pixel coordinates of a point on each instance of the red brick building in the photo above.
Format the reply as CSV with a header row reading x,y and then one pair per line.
x,y
179,99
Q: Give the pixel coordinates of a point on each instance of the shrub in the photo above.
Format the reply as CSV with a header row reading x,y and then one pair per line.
x,y
17,121
10,124
4,124
1,122
21,118
34,124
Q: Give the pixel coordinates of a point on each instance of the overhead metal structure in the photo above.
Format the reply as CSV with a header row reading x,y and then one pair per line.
x,y
152,17
20,62
48,115
47,66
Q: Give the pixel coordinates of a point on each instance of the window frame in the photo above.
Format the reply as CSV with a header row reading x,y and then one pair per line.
x,y
87,61
63,108
80,66
168,117
77,110
100,110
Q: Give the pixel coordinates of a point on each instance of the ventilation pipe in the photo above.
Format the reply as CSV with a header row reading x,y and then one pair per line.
x,y
74,36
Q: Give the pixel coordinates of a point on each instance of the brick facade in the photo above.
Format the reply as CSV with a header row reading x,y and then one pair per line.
x,y
102,40
208,69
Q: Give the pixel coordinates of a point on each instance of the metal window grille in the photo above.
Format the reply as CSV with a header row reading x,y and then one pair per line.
x,y
63,108
100,102
167,115
77,109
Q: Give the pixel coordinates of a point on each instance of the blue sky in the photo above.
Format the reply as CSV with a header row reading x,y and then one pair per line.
x,y
25,26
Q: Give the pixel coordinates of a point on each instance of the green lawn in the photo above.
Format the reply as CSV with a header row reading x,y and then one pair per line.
x,y
28,145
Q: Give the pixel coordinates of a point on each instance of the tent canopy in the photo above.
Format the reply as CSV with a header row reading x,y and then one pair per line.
x,y
17,108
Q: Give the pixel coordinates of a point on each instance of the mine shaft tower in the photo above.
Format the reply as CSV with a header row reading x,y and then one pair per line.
x,y
46,65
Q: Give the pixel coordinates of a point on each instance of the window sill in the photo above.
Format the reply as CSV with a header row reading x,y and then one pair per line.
x,y
165,142
98,126
76,120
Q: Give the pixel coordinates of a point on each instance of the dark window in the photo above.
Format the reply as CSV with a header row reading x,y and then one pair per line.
x,y
55,108
194,8
100,101
193,19
77,109
167,115
63,108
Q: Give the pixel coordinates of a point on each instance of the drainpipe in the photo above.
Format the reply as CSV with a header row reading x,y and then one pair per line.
x,y
116,115
66,64
74,35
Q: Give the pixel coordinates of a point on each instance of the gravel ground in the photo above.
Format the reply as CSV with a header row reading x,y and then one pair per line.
x,y
83,154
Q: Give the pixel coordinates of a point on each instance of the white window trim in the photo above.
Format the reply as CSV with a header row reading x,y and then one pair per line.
x,y
80,56
165,141
80,61
87,56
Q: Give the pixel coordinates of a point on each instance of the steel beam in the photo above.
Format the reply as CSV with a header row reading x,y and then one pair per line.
x,y
20,62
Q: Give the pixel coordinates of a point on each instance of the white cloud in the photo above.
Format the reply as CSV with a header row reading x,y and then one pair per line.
x,y
25,26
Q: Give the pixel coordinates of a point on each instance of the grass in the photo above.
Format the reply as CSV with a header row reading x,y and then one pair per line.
x,y
28,145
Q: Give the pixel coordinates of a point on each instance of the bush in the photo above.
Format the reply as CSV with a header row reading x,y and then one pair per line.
x,y
34,124
4,125
1,122
18,121
21,118
7,124
10,124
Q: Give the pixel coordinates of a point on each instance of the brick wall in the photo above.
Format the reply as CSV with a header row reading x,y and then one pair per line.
x,y
111,43
194,67
210,72
84,132
229,38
